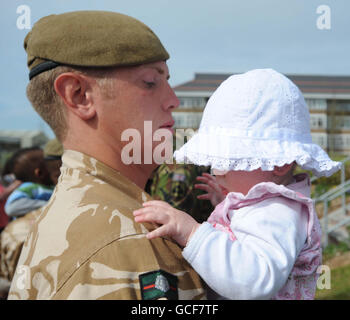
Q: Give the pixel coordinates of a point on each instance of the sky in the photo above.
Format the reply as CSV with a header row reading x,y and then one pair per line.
x,y
222,36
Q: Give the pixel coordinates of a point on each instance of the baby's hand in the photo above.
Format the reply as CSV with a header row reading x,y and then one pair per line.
x,y
215,193
175,223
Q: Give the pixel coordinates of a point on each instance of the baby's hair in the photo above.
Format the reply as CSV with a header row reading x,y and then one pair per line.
x,y
23,163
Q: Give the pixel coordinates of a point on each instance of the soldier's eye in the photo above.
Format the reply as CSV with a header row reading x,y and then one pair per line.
x,y
149,84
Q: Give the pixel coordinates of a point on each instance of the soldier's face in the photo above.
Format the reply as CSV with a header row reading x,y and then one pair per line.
x,y
138,94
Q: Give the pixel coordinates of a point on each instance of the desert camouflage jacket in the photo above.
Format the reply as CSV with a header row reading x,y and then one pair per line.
x,y
12,240
86,245
175,185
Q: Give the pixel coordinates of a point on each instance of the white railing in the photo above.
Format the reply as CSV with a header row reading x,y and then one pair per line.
x,y
339,191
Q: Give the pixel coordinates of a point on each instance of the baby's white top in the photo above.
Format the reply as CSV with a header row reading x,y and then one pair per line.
x,y
270,235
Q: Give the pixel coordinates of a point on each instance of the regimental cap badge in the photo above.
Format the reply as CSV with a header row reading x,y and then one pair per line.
x,y
158,284
162,283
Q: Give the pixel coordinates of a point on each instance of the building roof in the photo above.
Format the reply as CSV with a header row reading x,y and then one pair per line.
x,y
23,137
310,84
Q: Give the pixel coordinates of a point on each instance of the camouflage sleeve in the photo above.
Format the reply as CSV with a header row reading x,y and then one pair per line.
x,y
10,250
173,186
120,269
12,240
176,186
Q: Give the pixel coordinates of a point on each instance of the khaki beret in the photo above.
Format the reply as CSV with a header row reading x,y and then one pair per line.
x,y
53,150
91,39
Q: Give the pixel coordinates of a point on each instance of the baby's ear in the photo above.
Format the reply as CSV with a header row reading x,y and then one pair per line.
x,y
282,171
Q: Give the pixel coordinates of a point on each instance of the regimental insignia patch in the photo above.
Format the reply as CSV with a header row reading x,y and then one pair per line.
x,y
158,284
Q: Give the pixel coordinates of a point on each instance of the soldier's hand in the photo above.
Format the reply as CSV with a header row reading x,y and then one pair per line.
x,y
174,223
215,193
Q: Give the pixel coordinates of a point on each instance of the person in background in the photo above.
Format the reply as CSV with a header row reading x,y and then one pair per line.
x,y
10,183
176,185
53,159
15,233
29,167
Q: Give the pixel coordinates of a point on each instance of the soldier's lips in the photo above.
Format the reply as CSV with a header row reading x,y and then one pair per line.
x,y
169,125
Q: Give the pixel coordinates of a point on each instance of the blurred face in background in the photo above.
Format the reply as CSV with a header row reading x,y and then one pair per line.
x,y
53,168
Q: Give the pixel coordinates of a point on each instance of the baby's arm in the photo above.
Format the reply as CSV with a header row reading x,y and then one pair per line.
x,y
175,223
258,263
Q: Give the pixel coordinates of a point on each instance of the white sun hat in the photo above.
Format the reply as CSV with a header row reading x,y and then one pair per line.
x,y
258,119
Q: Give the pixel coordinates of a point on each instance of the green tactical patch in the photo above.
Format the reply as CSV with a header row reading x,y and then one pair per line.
x,y
158,284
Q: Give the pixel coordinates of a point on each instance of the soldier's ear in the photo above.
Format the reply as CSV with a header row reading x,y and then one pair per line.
x,y
76,91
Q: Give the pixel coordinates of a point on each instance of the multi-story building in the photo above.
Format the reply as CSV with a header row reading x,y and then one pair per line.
x,y
328,99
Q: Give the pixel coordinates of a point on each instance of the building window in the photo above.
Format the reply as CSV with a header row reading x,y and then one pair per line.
x,y
342,122
317,121
187,119
192,102
320,139
342,105
316,104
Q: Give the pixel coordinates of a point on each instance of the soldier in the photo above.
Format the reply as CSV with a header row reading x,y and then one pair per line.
x,y
16,232
95,74
175,184
53,159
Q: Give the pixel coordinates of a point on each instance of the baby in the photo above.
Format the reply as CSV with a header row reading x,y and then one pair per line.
x,y
262,241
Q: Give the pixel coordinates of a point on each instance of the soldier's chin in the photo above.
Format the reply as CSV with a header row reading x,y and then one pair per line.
x,y
163,150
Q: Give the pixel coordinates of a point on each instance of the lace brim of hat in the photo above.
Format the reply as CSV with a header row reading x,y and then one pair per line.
x,y
244,154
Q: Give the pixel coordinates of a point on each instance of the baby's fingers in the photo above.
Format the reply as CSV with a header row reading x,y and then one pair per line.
x,y
159,232
214,185
209,176
202,179
156,203
204,187
204,197
149,215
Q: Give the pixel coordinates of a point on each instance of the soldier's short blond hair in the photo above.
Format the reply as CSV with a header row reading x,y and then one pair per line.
x,y
49,105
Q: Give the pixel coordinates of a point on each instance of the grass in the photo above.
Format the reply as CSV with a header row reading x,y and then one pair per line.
x,y
340,285
333,250
339,277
